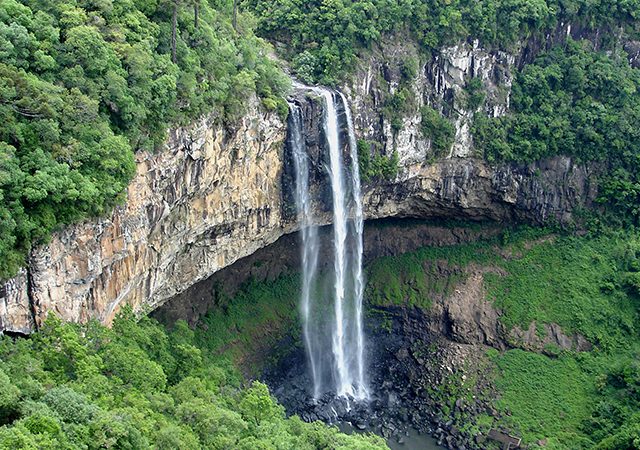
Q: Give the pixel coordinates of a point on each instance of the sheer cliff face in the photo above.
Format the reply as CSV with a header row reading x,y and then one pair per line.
x,y
210,197
215,195
458,184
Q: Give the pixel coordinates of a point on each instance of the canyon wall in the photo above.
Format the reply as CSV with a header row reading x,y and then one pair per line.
x,y
214,195
210,197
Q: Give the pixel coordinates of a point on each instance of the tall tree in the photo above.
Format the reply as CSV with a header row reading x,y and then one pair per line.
x,y
174,31
235,15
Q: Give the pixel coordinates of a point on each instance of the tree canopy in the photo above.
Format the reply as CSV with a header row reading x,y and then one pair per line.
x,y
324,37
138,387
84,84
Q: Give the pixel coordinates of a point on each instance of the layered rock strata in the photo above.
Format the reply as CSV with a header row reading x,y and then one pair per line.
x,y
214,195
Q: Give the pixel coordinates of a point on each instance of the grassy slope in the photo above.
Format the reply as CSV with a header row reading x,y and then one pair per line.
x,y
258,316
580,284
413,279
583,284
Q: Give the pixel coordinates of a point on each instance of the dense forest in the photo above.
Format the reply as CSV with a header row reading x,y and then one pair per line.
x,y
86,84
324,38
135,386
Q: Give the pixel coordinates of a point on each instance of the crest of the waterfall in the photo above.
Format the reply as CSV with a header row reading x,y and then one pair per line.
x,y
347,334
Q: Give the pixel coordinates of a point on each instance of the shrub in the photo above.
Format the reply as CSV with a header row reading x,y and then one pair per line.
x,y
438,129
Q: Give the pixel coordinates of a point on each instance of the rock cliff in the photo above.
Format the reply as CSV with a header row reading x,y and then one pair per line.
x,y
215,195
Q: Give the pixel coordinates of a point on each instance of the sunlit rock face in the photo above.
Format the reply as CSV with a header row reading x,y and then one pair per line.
x,y
214,195
211,196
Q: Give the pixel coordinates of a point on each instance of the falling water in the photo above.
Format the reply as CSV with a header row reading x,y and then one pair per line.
x,y
358,278
309,241
331,128
346,329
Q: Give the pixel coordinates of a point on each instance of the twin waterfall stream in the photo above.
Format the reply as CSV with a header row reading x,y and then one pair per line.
x,y
331,309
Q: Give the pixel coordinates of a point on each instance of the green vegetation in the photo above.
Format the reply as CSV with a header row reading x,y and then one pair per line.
x,y
577,102
396,107
137,387
378,167
415,278
251,322
572,101
475,94
323,38
583,285
403,100
84,84
577,283
587,285
582,401
546,397
438,129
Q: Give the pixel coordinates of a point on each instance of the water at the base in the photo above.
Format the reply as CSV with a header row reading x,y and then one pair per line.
x,y
346,331
410,440
414,441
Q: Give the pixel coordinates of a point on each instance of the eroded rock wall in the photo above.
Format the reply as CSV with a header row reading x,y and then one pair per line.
x,y
212,196
442,82
215,195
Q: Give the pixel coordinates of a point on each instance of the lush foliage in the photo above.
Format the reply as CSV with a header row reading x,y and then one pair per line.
x,y
137,387
414,279
558,393
577,102
585,284
84,84
438,129
324,37
588,276
376,167
595,394
250,323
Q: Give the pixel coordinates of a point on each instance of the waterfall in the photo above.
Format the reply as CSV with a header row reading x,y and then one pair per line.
x,y
358,278
309,236
339,345
346,343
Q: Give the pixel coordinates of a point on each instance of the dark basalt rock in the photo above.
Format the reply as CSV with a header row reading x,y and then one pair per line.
x,y
398,400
